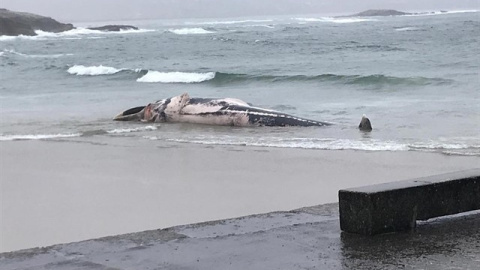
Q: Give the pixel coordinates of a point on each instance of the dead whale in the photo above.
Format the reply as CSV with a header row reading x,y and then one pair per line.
x,y
223,111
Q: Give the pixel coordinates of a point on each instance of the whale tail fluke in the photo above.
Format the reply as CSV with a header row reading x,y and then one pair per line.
x,y
365,124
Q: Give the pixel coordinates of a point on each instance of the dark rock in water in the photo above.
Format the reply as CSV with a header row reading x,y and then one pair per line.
x,y
114,28
379,12
365,124
21,23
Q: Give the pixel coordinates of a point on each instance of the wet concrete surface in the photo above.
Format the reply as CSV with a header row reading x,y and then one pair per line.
x,y
307,238
396,206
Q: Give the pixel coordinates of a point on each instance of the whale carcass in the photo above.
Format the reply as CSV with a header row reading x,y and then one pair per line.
x,y
223,111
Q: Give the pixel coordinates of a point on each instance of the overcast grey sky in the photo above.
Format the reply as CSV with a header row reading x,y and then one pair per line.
x,y
103,10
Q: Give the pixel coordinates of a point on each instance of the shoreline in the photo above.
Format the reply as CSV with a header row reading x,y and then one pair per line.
x,y
63,191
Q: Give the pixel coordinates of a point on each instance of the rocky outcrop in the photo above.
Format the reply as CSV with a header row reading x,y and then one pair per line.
x,y
114,28
21,23
379,12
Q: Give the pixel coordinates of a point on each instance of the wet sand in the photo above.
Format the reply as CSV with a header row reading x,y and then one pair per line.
x,y
64,191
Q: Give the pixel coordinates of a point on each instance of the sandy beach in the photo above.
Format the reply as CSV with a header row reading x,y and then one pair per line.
x,y
64,191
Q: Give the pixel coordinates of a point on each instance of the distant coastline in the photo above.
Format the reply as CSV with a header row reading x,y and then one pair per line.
x,y
14,23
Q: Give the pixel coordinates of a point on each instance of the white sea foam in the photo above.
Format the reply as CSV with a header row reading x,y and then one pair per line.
x,y
92,70
77,33
10,38
128,130
335,20
433,13
190,31
84,31
464,146
463,11
402,29
37,136
229,22
37,55
440,146
304,143
176,77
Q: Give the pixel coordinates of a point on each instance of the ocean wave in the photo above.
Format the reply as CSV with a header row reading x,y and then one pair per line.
x,y
98,70
129,130
36,55
176,77
11,38
76,33
88,133
85,31
142,75
92,70
229,22
335,20
464,147
370,47
190,31
303,143
463,11
441,12
375,79
447,148
220,78
37,136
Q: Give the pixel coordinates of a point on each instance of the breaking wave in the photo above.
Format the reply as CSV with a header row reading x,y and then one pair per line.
x,y
92,70
441,12
89,133
97,70
190,31
35,55
37,136
144,76
304,143
129,130
84,31
76,33
176,77
229,22
220,78
329,144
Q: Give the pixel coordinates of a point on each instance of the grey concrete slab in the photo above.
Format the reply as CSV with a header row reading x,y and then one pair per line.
x,y
307,238
397,206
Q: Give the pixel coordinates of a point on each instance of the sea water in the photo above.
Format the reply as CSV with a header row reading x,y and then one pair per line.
x,y
416,77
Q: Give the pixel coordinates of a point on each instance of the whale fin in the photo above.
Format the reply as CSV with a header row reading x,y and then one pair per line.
x,y
184,99
365,124
135,113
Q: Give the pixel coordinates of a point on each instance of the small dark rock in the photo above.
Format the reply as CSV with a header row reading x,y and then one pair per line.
x,y
114,28
365,124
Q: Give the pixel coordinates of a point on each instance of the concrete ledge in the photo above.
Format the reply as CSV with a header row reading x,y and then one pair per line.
x,y
397,206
